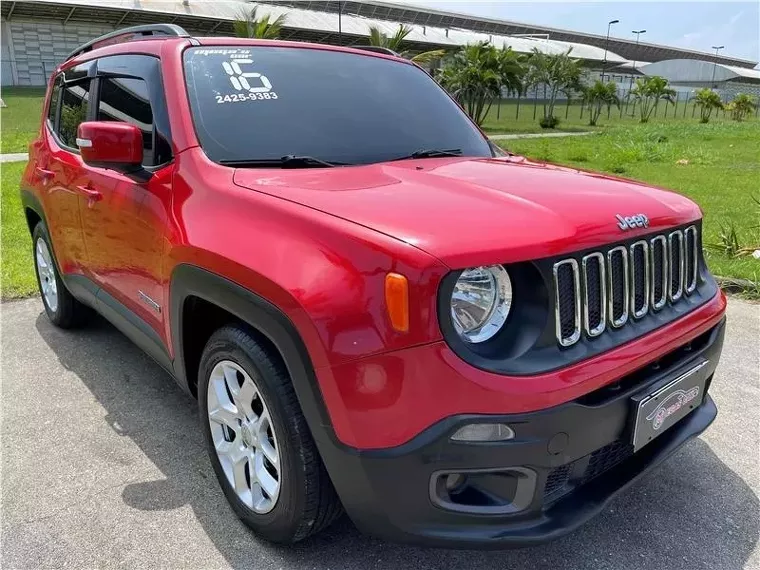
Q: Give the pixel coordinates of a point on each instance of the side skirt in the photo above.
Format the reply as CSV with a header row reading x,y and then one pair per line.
x,y
132,326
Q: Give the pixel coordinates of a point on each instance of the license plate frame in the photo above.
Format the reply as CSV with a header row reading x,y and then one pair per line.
x,y
658,411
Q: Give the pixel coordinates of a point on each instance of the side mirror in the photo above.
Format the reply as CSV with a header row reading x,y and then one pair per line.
x,y
114,145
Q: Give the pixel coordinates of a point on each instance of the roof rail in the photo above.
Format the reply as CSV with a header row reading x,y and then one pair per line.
x,y
377,49
167,30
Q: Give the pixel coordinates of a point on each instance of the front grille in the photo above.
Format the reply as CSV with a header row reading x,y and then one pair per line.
x,y
675,249
690,258
618,279
595,290
568,301
659,263
623,282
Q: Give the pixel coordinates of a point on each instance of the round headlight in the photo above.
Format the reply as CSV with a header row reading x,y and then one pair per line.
x,y
480,302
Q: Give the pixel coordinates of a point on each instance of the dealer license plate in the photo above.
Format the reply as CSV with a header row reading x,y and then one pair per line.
x,y
660,410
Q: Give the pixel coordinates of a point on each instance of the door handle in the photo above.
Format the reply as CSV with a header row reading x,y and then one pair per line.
x,y
92,194
44,173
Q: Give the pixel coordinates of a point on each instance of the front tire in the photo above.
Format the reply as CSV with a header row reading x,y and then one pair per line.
x,y
62,308
259,443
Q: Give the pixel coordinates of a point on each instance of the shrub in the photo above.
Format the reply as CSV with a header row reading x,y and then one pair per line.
x,y
707,100
548,122
742,106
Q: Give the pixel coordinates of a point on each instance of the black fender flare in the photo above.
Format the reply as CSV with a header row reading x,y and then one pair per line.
x,y
189,280
30,201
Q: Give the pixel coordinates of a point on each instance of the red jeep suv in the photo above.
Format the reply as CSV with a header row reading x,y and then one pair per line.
x,y
377,309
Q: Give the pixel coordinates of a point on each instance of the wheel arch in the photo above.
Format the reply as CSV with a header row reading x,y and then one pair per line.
x,y
32,209
190,283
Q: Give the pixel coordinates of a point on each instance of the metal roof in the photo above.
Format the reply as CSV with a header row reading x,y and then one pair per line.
x,y
693,71
409,13
204,18
317,21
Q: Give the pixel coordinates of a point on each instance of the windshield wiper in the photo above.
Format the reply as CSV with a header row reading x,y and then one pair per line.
x,y
432,153
287,161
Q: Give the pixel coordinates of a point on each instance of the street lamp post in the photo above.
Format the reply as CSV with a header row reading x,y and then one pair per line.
x,y
340,27
715,64
606,43
630,87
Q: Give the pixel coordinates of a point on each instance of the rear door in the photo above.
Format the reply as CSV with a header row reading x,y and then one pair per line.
x,y
124,220
58,168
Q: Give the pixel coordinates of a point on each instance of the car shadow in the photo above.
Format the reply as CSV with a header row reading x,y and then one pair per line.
x,y
693,511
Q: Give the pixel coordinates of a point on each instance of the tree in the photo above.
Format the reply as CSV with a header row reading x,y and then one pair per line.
x,y
648,92
707,100
742,106
478,74
598,95
380,39
247,25
557,73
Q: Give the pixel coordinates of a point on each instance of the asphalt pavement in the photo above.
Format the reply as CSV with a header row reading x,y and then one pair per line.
x,y
103,466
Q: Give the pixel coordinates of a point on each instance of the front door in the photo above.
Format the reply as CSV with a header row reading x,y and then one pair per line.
x,y
123,220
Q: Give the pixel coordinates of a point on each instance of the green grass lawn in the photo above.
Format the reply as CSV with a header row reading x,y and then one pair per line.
x,y
17,273
722,174
20,120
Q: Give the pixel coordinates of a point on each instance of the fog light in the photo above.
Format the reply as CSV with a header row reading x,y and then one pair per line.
x,y
454,481
484,432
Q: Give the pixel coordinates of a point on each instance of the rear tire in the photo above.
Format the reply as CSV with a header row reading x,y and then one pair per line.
x,y
62,308
259,443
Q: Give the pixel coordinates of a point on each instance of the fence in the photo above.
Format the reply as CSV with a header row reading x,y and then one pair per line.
x,y
525,109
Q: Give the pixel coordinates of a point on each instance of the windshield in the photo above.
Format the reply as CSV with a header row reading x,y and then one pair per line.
x,y
263,103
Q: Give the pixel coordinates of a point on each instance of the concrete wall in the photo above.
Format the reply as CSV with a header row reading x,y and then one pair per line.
x,y
32,50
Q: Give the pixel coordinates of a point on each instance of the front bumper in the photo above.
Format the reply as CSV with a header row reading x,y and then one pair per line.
x,y
394,493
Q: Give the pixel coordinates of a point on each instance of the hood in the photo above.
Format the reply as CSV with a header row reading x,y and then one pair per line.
x,y
471,212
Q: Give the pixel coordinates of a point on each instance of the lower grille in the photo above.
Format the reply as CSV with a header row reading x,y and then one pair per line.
x,y
558,478
606,458
558,483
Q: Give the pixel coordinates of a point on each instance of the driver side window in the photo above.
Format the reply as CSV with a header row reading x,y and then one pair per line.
x,y
127,100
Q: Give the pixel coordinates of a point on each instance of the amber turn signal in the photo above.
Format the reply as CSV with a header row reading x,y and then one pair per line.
x,y
397,301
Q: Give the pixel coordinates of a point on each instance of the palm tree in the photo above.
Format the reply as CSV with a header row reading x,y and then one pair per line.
x,y
557,73
742,106
394,43
648,91
707,100
478,74
247,25
598,95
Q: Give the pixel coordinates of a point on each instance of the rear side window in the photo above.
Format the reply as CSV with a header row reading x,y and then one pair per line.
x,y
127,100
75,98
55,95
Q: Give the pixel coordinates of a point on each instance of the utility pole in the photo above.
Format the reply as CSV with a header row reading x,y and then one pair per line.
x,y
606,42
715,64
630,87
340,25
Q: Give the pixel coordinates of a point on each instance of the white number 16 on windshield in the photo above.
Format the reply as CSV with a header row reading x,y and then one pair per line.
x,y
239,78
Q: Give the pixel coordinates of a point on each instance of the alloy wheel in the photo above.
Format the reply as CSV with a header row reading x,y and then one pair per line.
x,y
244,436
46,272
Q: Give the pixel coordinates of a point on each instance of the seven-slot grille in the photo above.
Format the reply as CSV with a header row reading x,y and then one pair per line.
x,y
626,282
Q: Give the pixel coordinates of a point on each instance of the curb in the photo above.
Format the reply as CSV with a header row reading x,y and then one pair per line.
x,y
515,136
734,285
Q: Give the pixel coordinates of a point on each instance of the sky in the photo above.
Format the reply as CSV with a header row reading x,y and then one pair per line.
x,y
692,25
